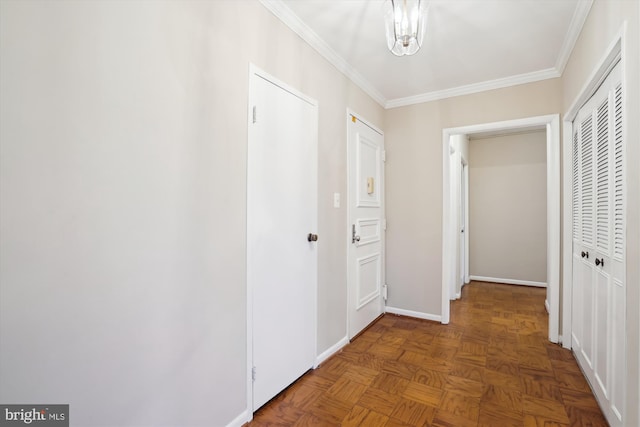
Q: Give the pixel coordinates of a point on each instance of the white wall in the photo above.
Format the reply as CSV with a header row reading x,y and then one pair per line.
x,y
508,207
604,23
123,203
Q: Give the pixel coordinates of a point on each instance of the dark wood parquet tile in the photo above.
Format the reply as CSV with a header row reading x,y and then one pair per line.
x,y
491,366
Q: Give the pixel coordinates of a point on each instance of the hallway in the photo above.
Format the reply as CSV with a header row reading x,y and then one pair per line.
x,y
491,366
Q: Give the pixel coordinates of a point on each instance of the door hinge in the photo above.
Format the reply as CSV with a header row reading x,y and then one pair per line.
x,y
385,291
384,155
384,224
253,374
255,114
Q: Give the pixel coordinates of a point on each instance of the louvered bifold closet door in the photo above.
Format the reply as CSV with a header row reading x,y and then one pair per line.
x,y
598,209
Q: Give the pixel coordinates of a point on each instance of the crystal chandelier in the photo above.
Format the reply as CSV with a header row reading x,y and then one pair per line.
x,y
405,21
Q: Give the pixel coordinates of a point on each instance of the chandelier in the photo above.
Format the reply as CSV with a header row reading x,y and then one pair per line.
x,y
405,22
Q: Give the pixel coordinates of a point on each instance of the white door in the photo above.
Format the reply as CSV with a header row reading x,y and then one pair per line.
x,y
281,213
598,335
367,225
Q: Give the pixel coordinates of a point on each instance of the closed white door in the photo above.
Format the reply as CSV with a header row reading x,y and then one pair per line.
x,y
367,225
598,335
281,213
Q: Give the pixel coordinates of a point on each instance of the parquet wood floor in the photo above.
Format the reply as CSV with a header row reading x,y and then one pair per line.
x,y
491,366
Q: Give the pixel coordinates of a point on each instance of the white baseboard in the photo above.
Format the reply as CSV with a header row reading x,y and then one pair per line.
x,y
240,419
509,281
330,351
546,305
416,314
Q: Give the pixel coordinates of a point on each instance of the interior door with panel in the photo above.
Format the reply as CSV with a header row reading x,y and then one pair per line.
x,y
598,336
367,224
281,241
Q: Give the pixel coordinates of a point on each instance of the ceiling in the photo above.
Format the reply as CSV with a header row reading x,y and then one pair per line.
x,y
469,45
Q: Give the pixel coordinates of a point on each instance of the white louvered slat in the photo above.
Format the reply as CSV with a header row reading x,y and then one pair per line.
x,y
602,177
618,182
586,148
575,187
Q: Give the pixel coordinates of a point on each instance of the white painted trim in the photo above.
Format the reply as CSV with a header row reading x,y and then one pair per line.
x,y
241,419
331,351
509,281
416,314
567,232
504,82
546,305
249,288
554,216
291,20
575,27
600,71
552,125
351,113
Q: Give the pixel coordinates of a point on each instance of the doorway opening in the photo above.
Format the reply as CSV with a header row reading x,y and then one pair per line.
x,y
451,241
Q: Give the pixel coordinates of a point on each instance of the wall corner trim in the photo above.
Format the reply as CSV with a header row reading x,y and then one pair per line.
x,y
331,351
511,282
416,314
241,419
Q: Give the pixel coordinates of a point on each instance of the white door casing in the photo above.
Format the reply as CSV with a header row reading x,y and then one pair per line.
x,y
281,213
462,226
454,236
598,210
450,240
366,232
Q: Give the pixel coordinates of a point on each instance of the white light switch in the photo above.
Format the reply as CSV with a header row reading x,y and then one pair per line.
x,y
336,200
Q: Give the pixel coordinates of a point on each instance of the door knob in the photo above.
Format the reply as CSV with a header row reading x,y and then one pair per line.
x,y
585,254
600,261
312,237
354,238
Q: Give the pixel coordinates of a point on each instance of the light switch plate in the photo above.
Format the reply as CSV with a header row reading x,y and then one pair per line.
x,y
336,200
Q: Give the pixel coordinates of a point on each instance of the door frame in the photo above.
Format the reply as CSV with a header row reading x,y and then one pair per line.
x,y
551,123
351,113
257,73
459,187
463,270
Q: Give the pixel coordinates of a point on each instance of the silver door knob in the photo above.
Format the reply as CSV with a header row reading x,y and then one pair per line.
x,y
354,238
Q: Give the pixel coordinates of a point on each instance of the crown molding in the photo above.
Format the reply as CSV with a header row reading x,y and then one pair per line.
x,y
519,79
290,19
575,28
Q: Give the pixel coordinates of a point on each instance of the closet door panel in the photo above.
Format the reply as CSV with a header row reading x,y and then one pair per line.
x,y
598,202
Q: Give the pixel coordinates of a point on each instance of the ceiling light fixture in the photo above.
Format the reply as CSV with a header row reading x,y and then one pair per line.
x,y
405,21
